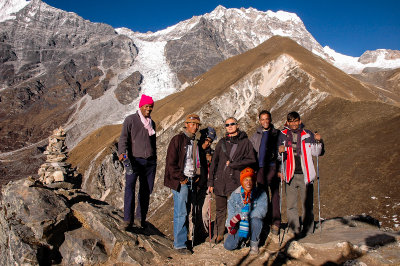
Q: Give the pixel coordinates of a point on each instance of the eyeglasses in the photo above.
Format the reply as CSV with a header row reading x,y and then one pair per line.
x,y
230,124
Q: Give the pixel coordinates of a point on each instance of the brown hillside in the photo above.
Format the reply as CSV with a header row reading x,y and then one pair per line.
x,y
386,79
362,158
217,80
89,148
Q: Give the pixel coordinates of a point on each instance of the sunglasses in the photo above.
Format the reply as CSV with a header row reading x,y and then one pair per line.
x,y
230,124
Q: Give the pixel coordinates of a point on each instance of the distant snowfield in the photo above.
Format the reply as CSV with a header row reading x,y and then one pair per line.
x,y
158,79
350,64
9,7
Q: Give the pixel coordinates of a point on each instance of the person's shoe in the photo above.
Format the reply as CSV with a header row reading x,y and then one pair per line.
x,y
144,224
127,225
219,239
253,248
184,251
138,224
274,230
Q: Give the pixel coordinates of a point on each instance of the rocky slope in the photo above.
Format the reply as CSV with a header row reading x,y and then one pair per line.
x,y
385,79
50,60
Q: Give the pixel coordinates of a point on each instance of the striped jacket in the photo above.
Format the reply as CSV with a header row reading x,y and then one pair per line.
x,y
308,148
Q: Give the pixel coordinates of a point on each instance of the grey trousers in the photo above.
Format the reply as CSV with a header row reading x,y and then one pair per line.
x,y
295,186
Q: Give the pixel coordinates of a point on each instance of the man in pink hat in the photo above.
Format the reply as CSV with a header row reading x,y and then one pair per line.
x,y
137,151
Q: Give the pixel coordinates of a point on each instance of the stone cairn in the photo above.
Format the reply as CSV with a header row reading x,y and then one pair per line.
x,y
56,169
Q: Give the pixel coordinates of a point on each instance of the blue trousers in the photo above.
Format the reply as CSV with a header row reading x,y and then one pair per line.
x,y
182,205
145,170
233,241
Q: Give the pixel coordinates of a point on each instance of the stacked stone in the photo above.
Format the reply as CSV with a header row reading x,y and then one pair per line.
x,y
56,169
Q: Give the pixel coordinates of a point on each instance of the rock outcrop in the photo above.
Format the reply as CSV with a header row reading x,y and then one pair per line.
x,y
41,225
49,60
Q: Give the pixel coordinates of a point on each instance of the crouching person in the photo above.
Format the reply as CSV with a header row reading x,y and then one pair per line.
x,y
247,208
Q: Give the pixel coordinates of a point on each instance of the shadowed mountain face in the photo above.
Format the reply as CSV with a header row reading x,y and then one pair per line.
x,y
385,79
49,60
358,171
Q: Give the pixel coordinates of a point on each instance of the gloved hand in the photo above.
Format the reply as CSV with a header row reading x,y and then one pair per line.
x,y
234,224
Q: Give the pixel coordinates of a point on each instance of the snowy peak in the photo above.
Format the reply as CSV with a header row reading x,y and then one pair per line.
x,y
8,8
379,55
379,59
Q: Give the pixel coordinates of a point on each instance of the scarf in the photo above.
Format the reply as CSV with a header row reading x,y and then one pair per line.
x,y
195,154
244,227
290,139
147,123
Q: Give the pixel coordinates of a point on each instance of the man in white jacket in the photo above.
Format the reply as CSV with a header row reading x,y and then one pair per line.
x,y
298,146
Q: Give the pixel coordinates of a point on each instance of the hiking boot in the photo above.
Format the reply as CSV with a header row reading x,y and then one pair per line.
x,y
253,248
127,225
274,230
184,251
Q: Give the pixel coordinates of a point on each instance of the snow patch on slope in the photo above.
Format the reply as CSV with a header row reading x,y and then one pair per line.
x,y
275,73
8,8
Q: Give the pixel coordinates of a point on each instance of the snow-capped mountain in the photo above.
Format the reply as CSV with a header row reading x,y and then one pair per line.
x,y
380,59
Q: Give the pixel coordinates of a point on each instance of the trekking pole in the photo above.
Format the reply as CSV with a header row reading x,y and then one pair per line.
x,y
209,217
319,200
281,195
193,209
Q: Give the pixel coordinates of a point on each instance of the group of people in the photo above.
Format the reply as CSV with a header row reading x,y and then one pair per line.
x,y
242,173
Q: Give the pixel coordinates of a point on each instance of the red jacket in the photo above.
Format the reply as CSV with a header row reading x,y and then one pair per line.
x,y
308,148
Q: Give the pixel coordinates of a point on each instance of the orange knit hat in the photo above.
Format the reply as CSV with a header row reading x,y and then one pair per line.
x,y
247,172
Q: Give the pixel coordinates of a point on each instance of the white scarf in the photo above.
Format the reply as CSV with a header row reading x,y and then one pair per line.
x,y
147,123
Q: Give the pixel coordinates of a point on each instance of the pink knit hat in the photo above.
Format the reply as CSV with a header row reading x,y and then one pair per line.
x,y
145,100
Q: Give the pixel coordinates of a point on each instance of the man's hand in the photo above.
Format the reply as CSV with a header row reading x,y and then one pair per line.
x,y
317,136
208,157
122,156
281,149
211,189
280,175
227,163
184,181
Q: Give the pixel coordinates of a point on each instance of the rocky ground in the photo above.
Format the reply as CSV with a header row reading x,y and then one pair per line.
x,y
342,241
58,226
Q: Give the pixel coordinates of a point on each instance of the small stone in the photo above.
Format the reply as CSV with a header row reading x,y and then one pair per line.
x,y
296,250
58,176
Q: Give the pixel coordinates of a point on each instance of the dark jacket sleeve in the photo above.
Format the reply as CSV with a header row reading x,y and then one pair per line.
x,y
214,164
249,158
172,162
124,138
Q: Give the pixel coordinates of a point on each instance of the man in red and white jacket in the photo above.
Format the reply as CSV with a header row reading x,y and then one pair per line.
x,y
298,146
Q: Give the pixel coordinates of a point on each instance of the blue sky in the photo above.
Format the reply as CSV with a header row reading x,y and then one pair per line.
x,y
350,27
